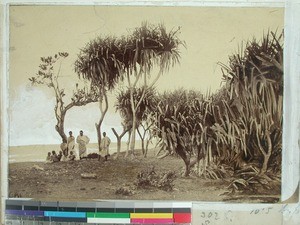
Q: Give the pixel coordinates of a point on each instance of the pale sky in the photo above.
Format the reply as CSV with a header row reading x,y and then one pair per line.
x,y
211,35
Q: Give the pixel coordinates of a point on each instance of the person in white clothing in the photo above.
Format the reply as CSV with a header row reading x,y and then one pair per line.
x,y
105,142
71,145
82,141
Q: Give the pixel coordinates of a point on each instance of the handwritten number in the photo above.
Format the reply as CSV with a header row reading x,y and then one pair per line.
x,y
206,222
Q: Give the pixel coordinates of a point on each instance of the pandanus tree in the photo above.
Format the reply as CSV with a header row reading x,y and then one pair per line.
x,y
106,60
255,89
177,125
148,46
243,121
145,109
48,75
100,61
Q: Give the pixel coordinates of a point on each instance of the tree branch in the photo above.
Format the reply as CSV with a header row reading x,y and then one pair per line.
x,y
156,79
139,133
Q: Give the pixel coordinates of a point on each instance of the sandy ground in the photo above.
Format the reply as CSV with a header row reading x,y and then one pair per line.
x,y
62,181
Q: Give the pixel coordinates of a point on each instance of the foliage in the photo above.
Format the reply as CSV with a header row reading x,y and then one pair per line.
x,y
177,125
104,60
149,178
240,124
99,63
213,171
256,102
107,60
126,191
250,180
48,77
147,105
148,46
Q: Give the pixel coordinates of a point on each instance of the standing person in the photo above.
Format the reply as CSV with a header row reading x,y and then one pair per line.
x,y
82,141
71,143
105,142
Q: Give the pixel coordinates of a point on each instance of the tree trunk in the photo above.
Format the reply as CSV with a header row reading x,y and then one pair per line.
x,y
118,141
119,138
147,146
187,168
159,150
98,129
163,155
60,127
132,141
103,112
267,154
118,146
148,142
265,164
128,143
143,141
143,147
186,158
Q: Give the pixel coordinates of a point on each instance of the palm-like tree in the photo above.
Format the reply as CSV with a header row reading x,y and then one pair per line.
x,y
255,81
179,122
105,60
148,46
243,121
100,62
146,107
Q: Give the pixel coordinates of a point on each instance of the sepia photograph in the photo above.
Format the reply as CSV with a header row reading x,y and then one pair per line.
x,y
145,103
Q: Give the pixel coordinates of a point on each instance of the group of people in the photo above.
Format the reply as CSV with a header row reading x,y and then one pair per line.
x,y
69,152
59,157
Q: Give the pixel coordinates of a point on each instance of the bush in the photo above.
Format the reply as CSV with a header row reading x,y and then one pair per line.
x,y
149,178
250,180
124,191
212,171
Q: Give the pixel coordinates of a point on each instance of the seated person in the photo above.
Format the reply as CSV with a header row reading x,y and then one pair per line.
x,y
64,157
54,157
71,156
59,156
48,158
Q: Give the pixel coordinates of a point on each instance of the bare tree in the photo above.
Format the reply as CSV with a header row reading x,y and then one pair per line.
x,y
46,76
126,128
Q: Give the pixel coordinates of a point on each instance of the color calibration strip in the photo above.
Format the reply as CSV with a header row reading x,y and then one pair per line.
x,y
100,212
